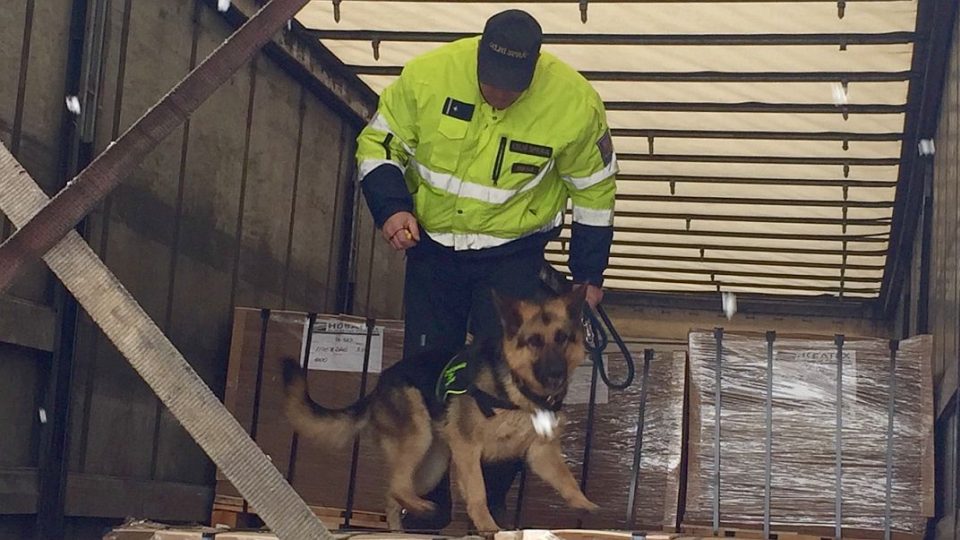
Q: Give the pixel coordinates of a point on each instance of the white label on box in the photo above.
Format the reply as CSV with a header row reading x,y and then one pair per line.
x,y
340,346
578,392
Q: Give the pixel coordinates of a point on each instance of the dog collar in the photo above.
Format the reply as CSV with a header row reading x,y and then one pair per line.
x,y
539,401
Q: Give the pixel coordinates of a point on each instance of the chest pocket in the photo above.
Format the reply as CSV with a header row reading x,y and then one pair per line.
x,y
524,161
451,132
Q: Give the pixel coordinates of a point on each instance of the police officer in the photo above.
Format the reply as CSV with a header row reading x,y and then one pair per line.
x,y
468,166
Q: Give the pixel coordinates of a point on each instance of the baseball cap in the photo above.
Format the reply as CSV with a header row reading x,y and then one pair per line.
x,y
509,48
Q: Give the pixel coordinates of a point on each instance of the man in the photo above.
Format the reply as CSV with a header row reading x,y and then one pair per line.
x,y
468,166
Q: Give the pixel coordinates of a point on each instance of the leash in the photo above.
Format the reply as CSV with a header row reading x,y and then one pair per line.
x,y
596,341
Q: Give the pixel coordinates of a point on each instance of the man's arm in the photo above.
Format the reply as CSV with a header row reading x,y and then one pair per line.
x,y
589,170
384,147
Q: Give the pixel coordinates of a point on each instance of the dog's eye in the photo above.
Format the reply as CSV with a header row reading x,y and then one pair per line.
x,y
560,337
535,341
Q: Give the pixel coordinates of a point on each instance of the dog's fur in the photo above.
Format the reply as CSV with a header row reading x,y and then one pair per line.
x,y
530,368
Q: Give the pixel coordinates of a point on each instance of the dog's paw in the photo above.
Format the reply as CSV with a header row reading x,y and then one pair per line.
x,y
584,505
421,507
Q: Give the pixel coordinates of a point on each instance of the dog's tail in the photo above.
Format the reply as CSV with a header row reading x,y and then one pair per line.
x,y
335,428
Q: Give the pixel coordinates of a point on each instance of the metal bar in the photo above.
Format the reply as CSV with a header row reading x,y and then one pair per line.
x,y
719,273
567,2
698,76
638,442
305,363
885,38
926,240
718,396
730,247
862,222
588,437
853,308
755,201
89,188
355,457
891,412
53,460
935,19
768,454
755,262
754,107
839,339
258,388
773,160
878,239
521,488
746,180
727,285
842,136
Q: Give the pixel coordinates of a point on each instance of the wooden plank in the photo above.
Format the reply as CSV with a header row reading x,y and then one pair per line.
x,y
105,496
108,497
18,491
201,309
27,324
21,383
269,188
365,238
139,237
41,109
12,26
316,214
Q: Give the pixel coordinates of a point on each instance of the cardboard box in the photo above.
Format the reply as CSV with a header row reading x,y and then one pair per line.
x,y
803,443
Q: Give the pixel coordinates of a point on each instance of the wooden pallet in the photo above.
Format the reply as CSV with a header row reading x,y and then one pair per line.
x,y
233,512
776,534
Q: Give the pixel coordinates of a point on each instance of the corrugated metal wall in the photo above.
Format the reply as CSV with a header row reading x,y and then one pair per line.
x,y
942,317
248,204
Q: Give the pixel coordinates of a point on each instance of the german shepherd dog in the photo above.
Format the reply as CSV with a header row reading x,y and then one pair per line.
x,y
428,411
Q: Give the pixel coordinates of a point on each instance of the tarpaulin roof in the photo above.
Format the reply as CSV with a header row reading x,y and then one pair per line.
x,y
759,142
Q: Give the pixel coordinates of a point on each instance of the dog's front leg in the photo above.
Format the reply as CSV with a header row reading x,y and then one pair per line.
x,y
547,462
466,462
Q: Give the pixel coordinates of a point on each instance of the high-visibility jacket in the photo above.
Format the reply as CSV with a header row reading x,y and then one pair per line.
x,y
478,178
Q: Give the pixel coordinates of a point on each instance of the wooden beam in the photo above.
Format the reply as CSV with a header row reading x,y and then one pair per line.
x,y
26,324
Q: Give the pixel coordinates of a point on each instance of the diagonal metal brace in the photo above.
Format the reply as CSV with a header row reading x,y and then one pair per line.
x,y
152,355
93,184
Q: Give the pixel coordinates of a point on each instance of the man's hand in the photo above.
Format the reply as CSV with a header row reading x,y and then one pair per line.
x,y
401,231
594,294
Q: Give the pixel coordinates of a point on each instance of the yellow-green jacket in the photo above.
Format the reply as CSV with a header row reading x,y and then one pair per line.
x,y
478,178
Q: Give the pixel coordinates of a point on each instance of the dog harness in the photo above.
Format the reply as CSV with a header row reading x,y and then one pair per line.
x,y
456,379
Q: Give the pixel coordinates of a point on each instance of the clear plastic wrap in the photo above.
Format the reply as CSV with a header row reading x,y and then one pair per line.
x,y
612,451
804,420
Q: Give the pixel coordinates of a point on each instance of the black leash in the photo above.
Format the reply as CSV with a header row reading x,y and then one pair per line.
x,y
597,341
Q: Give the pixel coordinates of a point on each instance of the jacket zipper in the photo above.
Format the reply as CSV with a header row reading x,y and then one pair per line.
x,y
498,164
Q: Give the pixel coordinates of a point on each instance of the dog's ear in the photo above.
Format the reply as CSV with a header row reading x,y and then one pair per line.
x,y
509,310
576,300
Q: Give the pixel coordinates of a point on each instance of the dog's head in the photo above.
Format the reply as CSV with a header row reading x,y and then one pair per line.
x,y
543,342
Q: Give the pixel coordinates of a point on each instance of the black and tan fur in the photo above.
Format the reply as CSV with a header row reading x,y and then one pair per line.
x,y
530,368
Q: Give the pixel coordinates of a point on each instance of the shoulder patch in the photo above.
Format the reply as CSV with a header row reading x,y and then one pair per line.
x,y
605,145
453,380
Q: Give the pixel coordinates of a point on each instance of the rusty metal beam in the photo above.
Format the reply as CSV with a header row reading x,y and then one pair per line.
x,y
884,38
95,182
700,76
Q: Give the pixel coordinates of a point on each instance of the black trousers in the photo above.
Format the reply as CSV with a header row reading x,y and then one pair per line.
x,y
445,293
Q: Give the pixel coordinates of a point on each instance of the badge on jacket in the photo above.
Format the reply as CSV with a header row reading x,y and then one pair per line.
x,y
605,145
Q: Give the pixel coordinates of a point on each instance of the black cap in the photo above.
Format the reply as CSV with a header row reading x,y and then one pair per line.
x,y
509,49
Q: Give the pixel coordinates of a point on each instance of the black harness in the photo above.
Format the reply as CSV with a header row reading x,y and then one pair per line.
x,y
456,378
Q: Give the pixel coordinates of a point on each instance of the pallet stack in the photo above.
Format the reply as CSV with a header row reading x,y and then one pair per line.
x,y
806,488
